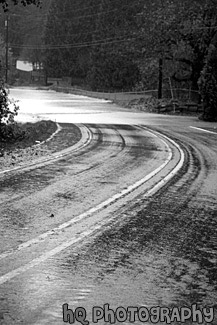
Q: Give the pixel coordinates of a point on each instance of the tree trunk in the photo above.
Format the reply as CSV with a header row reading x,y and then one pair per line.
x,y
160,80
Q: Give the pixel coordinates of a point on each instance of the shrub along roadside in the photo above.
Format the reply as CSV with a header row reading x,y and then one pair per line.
x,y
16,135
18,143
8,107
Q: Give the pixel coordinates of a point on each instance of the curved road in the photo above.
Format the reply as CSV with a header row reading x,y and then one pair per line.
x,y
134,250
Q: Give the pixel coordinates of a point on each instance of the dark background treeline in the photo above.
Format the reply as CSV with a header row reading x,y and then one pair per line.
x,y
120,44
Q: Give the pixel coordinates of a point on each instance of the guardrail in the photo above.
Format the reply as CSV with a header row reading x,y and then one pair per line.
x,y
176,93
119,96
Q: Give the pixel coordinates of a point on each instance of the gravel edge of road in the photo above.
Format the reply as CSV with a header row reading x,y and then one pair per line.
x,y
50,148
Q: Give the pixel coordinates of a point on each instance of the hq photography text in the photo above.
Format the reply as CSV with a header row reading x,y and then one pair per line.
x,y
143,314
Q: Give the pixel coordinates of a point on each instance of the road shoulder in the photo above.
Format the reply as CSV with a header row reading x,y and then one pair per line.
x,y
65,137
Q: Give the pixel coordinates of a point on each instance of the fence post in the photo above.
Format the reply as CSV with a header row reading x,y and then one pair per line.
x,y
189,96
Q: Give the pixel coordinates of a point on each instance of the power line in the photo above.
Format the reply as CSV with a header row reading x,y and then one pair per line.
x,y
79,17
74,45
98,13
78,45
84,16
90,32
104,12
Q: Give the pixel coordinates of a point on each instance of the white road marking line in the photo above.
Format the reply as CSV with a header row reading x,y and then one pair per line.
x,y
44,257
59,128
84,291
10,275
194,127
92,210
173,172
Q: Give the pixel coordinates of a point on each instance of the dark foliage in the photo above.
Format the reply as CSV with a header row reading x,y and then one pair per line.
x,y
6,3
8,110
8,107
208,86
116,45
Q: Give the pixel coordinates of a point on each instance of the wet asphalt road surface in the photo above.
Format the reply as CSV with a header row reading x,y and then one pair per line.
x,y
155,251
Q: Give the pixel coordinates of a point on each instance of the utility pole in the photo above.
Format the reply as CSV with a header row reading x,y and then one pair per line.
x,y
160,78
6,49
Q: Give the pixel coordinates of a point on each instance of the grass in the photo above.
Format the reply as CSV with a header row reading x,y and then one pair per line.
x,y
19,143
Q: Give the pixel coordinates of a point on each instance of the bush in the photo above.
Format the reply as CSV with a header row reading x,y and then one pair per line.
x,y
8,110
8,107
11,132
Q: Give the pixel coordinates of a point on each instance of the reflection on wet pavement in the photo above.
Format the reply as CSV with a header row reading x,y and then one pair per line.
x,y
160,251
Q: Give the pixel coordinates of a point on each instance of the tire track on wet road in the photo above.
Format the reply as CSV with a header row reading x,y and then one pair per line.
x,y
95,226
95,142
160,251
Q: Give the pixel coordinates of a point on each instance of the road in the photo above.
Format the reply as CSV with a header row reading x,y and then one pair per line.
x,y
134,216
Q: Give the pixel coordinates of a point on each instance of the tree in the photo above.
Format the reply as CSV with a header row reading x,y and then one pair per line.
x,y
118,44
69,30
208,83
114,63
114,72
180,33
6,3
91,39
